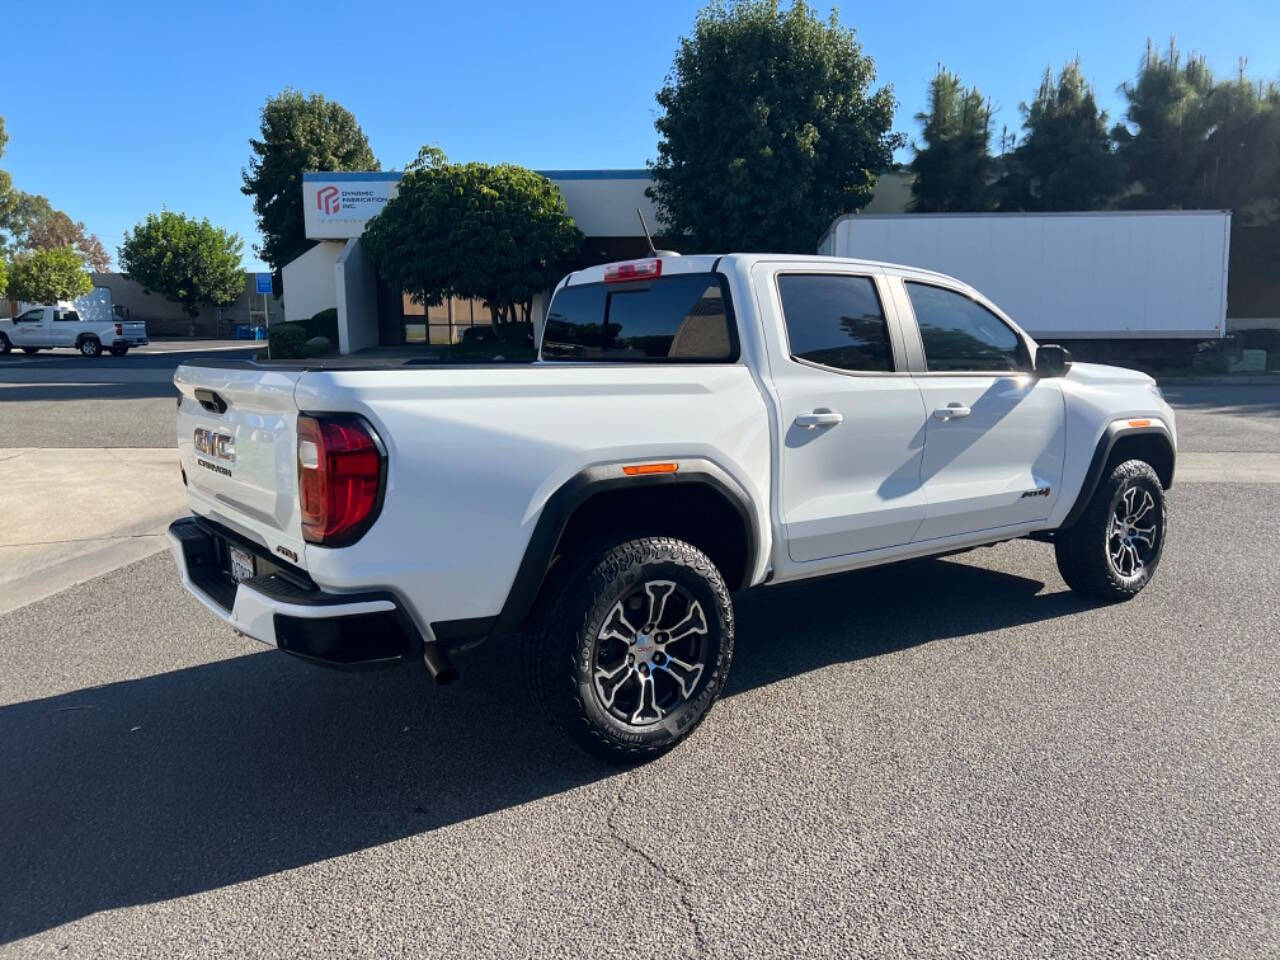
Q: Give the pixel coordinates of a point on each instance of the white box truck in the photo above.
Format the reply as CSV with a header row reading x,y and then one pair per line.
x,y
1107,276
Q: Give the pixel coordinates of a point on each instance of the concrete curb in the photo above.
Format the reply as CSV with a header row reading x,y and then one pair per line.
x,y
1244,380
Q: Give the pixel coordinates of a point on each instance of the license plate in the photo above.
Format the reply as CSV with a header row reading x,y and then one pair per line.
x,y
241,563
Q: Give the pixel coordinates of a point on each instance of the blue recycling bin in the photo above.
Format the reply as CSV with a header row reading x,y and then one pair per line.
x,y
242,332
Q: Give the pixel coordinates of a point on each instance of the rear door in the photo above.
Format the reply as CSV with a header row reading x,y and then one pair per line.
x,y
237,442
996,435
852,418
65,328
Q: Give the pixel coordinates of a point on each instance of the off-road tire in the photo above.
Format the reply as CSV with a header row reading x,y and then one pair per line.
x,y
1084,550
560,653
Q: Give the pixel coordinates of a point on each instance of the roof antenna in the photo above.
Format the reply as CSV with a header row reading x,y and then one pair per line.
x,y
649,240
645,227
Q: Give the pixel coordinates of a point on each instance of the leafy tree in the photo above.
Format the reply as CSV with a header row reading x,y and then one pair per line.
x,y
953,169
4,274
6,185
189,261
299,133
470,230
34,224
47,276
1065,160
769,129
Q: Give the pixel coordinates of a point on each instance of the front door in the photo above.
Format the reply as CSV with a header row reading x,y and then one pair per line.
x,y
852,420
996,435
29,329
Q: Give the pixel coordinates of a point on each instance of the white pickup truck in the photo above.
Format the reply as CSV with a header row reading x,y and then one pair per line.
x,y
693,426
41,328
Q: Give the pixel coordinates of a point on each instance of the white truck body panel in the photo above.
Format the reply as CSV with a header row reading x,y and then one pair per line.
x,y
475,454
1068,276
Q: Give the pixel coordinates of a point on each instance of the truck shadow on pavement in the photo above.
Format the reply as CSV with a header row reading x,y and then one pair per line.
x,y
170,785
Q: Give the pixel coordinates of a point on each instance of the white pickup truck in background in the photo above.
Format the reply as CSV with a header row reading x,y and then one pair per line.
x,y
693,426
38,328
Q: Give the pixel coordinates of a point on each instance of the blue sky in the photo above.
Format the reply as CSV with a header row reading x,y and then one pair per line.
x,y
133,106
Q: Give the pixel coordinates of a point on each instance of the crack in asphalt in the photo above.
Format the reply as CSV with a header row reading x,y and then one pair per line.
x,y
681,885
47,543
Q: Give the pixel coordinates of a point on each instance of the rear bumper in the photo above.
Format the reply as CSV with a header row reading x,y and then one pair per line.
x,y
129,342
283,608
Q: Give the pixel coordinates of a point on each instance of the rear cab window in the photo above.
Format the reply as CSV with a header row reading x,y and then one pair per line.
x,y
836,321
680,318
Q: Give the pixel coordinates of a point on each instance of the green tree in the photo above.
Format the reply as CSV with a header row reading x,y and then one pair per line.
x,y
4,274
1166,127
953,170
1239,166
1065,160
1190,142
470,230
189,261
6,185
47,276
769,129
33,223
299,133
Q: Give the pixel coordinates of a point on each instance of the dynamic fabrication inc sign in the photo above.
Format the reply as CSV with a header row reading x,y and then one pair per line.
x,y
351,201
338,205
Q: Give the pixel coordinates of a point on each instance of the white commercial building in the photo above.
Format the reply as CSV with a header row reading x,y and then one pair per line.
x,y
338,274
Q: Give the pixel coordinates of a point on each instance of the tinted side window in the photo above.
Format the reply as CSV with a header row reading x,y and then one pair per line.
x,y
679,318
835,321
70,315
960,334
31,316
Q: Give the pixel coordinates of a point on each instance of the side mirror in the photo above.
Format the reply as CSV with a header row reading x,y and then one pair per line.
x,y
1052,360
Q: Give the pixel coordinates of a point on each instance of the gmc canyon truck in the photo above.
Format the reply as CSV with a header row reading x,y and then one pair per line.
x,y
693,426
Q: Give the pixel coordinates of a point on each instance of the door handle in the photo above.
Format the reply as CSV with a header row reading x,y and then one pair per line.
x,y
952,411
822,417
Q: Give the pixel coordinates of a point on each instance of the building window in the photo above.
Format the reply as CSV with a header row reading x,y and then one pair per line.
x,y
444,323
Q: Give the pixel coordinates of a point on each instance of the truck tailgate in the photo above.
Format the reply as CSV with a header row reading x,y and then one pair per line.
x,y
238,445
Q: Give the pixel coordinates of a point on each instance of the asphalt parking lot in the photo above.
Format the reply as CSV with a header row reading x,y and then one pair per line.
x,y
952,757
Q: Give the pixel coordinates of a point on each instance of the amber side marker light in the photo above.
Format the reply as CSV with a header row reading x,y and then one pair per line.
x,y
640,469
1139,423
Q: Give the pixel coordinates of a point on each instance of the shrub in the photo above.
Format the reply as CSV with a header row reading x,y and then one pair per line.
x,y
324,324
286,340
317,347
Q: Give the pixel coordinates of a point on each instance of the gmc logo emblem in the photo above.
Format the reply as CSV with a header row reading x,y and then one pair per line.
x,y
220,446
327,200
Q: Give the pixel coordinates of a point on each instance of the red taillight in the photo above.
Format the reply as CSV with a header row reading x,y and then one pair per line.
x,y
340,474
119,329
636,270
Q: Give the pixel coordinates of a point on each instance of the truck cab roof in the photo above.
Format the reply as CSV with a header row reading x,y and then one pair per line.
x,y
708,263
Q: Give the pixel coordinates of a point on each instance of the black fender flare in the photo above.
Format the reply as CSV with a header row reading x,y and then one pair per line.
x,y
1102,453
579,488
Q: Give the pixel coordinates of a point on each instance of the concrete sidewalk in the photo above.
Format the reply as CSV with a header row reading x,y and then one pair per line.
x,y
72,514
